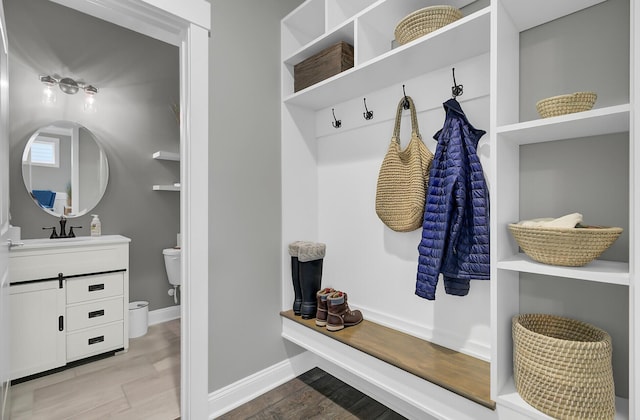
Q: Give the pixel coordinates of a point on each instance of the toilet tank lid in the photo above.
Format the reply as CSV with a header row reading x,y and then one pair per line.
x,y
171,251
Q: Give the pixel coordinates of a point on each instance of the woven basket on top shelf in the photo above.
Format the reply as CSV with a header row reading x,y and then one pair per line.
x,y
424,21
572,247
562,366
566,104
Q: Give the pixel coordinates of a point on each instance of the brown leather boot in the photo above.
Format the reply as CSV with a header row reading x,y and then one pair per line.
x,y
322,314
340,315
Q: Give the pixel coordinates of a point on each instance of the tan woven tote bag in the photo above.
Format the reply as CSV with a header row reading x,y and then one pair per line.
x,y
403,178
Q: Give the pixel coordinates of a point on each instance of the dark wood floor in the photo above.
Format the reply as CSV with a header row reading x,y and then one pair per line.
x,y
313,395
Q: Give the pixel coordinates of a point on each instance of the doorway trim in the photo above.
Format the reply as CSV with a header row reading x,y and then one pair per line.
x,y
185,24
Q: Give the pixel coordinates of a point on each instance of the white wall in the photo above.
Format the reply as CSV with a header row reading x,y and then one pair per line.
x,y
376,266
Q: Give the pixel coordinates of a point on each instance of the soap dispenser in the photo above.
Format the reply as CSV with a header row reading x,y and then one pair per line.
x,y
96,226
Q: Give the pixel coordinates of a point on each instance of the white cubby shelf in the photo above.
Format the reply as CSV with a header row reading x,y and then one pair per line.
x,y
601,271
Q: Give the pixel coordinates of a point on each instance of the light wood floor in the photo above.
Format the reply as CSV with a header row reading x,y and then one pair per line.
x,y
143,383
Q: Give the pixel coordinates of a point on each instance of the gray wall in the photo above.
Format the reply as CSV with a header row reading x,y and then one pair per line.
x,y
591,175
138,79
245,225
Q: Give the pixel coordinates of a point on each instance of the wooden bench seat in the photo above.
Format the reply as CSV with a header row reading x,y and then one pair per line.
x,y
462,374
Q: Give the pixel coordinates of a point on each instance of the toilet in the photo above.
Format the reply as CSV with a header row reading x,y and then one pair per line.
x,y
172,265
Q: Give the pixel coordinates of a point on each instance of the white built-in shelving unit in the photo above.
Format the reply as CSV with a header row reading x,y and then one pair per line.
x,y
510,18
494,31
164,155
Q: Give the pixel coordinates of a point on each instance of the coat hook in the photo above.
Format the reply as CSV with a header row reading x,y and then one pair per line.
x,y
337,123
405,104
367,114
456,89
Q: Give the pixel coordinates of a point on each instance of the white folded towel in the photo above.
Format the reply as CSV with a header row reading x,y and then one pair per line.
x,y
567,221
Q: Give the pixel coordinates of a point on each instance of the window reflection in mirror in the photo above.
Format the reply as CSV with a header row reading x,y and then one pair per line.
x,y
64,168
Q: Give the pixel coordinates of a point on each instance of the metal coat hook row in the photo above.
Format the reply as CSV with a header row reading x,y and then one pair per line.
x,y
367,114
456,89
336,123
405,104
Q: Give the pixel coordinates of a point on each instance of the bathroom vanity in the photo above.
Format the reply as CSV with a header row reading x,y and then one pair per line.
x,y
68,301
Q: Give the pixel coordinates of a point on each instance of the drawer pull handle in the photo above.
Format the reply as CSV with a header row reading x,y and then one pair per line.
x,y
95,340
94,287
96,314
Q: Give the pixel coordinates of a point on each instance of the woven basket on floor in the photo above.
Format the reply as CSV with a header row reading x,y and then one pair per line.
x,y
562,366
572,247
424,21
566,104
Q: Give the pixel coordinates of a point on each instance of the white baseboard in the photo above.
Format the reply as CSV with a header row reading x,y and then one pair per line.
x,y
163,315
246,389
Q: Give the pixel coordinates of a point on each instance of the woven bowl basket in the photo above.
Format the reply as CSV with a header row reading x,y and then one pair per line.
x,y
566,104
562,366
572,247
424,21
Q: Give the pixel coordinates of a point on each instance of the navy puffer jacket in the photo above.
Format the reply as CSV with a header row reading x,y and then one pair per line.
x,y
455,230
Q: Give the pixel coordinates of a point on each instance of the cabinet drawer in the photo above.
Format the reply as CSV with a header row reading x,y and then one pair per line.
x,y
94,313
101,286
94,341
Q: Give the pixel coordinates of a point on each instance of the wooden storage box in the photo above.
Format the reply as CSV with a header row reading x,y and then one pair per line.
x,y
328,62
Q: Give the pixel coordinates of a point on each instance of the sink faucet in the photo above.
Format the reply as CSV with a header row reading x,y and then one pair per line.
x,y
63,230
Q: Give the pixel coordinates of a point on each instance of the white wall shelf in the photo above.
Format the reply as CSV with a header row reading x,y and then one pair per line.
x,y
166,188
163,155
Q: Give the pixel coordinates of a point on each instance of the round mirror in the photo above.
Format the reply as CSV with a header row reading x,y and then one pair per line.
x,y
65,169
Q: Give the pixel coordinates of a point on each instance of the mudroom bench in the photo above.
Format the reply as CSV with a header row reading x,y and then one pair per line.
x,y
353,348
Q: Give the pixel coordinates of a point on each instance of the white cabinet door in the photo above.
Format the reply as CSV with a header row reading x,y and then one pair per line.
x,y
37,327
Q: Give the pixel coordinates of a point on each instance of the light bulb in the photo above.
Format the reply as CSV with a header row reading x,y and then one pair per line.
x,y
90,103
48,95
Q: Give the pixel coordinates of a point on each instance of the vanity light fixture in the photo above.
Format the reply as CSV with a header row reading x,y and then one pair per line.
x,y
70,87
